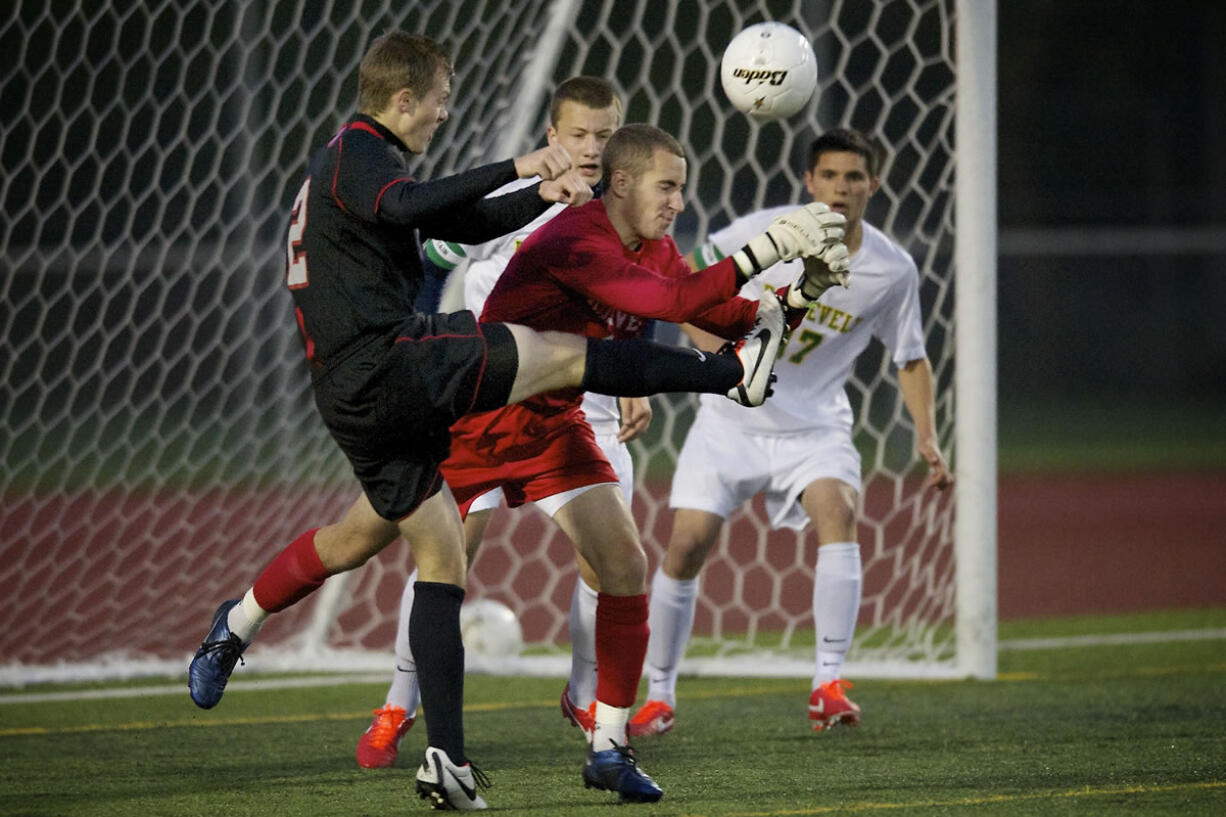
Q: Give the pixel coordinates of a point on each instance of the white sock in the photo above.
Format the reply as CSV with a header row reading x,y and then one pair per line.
x,y
836,604
404,691
611,723
582,645
246,617
670,617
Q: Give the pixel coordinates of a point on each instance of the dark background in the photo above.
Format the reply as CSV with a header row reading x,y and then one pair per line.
x,y
1112,115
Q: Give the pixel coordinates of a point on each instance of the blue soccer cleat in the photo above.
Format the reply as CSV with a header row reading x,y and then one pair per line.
x,y
215,660
617,770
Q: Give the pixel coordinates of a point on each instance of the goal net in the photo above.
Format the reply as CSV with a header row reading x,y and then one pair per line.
x,y
159,439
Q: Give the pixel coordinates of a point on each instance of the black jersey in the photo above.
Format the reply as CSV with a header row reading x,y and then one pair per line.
x,y
354,244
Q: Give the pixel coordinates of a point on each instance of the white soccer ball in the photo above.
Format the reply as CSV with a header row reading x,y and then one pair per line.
x,y
489,628
769,71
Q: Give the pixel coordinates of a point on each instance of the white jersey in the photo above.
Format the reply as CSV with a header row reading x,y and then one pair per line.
x,y
486,262
882,300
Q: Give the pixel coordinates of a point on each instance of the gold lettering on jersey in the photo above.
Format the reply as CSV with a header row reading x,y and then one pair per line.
x,y
829,316
836,319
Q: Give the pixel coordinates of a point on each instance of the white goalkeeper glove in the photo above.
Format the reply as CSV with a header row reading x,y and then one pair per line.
x,y
822,271
808,231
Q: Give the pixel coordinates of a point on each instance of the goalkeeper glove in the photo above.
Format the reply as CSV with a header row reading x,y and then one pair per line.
x,y
807,231
821,272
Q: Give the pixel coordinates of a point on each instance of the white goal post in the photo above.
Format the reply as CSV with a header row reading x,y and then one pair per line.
x,y
158,435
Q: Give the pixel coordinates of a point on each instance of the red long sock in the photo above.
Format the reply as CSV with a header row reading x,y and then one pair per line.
x,y
293,574
621,646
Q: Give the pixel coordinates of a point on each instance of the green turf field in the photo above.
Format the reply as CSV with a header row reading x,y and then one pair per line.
x,y
1067,730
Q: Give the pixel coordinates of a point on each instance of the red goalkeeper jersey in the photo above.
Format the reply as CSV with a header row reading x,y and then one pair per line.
x,y
573,274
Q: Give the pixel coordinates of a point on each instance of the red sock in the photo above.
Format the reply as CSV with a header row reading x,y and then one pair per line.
x,y
293,574
621,646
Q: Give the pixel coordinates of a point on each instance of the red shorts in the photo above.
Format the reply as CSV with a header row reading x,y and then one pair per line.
x,y
529,454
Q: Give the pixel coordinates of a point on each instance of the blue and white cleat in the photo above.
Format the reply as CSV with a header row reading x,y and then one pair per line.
x,y
215,660
617,770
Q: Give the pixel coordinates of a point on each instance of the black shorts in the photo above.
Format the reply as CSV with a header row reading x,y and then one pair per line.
x,y
390,404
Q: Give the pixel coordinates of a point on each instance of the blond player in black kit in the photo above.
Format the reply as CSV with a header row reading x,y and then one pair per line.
x,y
389,382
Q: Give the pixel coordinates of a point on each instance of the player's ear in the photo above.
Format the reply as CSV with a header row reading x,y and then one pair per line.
x,y
551,135
809,182
619,182
405,101
874,185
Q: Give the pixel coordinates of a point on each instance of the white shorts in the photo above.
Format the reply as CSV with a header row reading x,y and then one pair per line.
x,y
619,457
722,466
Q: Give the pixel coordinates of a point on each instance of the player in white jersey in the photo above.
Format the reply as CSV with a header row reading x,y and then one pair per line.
x,y
584,113
797,448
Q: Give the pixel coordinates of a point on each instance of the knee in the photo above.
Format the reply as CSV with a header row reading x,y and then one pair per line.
x,y
341,550
623,572
687,553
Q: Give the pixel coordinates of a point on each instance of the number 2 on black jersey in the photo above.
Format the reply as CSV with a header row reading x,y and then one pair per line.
x,y
295,256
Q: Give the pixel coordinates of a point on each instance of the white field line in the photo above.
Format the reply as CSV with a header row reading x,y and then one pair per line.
x,y
1161,637
559,665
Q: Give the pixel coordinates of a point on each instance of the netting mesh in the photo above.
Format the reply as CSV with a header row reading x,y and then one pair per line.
x,y
159,439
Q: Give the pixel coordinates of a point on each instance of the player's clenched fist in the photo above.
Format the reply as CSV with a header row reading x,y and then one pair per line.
x,y
809,231
549,162
568,188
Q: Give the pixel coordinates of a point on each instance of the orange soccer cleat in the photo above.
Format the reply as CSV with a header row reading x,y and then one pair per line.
x,y
829,706
380,743
654,718
585,719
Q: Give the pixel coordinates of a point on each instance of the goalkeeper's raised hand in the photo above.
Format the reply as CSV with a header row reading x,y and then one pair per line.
x,y
809,231
821,272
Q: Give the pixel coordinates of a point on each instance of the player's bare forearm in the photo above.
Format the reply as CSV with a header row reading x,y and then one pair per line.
x,y
918,387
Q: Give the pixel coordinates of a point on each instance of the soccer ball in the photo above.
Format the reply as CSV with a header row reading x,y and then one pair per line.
x,y
490,629
769,71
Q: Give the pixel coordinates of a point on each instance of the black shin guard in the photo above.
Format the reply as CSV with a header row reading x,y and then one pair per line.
x,y
434,631
637,368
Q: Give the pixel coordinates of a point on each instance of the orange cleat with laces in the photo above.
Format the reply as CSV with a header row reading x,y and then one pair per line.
x,y
829,706
380,743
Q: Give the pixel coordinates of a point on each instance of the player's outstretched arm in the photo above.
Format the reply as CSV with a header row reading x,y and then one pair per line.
x,y
809,231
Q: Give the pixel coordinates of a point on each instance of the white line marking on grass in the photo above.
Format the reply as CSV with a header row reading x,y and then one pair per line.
x,y
1162,637
558,666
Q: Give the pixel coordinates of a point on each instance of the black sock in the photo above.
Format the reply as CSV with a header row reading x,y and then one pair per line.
x,y
637,368
434,632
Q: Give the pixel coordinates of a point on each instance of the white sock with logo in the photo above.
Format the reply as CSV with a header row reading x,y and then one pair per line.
x,y
404,691
836,604
670,617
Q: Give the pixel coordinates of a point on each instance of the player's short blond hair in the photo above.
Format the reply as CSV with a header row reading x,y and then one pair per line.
x,y
632,148
590,92
398,60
